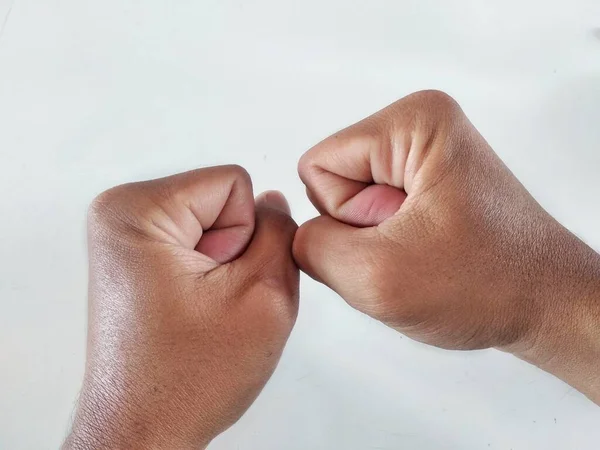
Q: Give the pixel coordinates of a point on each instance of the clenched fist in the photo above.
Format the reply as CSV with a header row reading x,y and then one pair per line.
x,y
424,228
193,293
194,289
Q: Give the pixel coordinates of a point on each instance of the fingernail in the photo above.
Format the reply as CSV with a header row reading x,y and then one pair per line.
x,y
273,200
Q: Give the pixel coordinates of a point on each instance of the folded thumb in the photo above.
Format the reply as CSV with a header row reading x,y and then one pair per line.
x,y
268,259
339,255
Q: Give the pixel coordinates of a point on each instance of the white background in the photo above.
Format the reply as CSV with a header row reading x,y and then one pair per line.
x,y
95,93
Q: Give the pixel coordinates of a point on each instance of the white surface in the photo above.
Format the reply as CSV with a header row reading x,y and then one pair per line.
x,y
95,93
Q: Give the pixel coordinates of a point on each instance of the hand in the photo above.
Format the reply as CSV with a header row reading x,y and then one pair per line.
x,y
193,294
425,229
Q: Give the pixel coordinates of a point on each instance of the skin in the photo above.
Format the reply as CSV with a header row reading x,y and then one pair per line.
x,y
194,285
193,293
424,228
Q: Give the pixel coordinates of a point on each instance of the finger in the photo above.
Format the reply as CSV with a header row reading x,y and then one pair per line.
x,y
220,201
268,258
368,208
385,150
372,205
274,200
338,255
211,210
343,177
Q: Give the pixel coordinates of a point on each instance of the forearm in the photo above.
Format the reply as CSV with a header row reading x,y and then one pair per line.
x,y
89,434
104,423
566,342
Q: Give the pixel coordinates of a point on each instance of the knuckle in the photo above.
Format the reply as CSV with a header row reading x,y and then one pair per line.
x,y
106,206
437,99
238,173
429,108
238,176
119,210
307,167
426,113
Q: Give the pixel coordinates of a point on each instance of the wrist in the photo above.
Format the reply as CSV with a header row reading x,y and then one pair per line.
x,y
98,425
565,340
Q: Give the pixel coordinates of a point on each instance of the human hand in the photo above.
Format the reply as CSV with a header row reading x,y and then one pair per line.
x,y
193,294
424,228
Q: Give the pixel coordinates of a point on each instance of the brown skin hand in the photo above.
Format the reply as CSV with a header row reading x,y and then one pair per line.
x,y
194,291
193,294
424,228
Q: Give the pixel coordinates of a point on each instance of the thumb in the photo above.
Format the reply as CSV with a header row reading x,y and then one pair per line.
x,y
268,258
343,257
